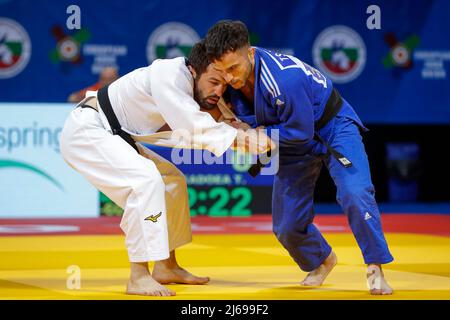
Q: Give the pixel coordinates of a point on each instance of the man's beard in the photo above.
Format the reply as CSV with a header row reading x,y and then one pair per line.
x,y
202,101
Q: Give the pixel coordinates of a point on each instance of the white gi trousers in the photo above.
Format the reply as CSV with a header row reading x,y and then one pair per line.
x,y
144,185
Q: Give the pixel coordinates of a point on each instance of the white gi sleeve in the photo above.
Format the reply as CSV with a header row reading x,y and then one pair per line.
x,y
172,90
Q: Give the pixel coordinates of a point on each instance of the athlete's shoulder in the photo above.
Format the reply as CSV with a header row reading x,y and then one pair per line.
x,y
177,65
274,74
172,71
276,60
288,70
282,65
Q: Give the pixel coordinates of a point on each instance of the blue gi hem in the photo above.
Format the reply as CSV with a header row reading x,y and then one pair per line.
x,y
386,260
320,260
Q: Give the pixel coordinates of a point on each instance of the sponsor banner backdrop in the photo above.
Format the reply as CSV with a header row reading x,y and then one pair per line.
x,y
35,180
396,74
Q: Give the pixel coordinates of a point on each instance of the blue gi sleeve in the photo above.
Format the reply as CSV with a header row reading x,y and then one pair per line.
x,y
296,115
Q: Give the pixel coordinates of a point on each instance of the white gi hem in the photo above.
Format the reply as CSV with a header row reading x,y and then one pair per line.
x,y
152,257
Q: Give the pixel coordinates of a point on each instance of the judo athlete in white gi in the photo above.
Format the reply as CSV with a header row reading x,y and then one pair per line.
x,y
150,189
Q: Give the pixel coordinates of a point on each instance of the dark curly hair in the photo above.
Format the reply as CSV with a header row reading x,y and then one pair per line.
x,y
198,58
225,36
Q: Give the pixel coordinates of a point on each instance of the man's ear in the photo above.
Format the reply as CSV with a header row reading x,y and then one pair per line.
x,y
251,52
192,70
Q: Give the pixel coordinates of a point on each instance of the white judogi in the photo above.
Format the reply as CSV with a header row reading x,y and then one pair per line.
x,y
151,190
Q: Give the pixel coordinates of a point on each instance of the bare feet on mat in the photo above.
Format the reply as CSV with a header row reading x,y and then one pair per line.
x,y
317,276
142,283
376,282
176,275
147,286
168,271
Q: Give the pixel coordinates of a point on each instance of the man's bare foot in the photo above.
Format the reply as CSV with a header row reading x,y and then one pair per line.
x,y
168,271
376,282
176,275
317,276
142,283
147,286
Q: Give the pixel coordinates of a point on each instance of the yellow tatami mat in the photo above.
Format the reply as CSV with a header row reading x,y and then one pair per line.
x,y
248,266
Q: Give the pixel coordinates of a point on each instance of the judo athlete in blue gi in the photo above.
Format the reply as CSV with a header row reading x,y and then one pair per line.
x,y
316,126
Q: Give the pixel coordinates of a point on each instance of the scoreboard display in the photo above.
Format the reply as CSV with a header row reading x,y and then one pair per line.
x,y
223,188
222,201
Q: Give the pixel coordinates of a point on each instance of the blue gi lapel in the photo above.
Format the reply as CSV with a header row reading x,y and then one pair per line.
x,y
258,97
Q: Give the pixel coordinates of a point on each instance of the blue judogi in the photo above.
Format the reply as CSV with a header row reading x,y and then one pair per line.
x,y
291,96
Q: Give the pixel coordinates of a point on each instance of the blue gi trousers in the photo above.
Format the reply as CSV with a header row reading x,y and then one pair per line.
x,y
292,201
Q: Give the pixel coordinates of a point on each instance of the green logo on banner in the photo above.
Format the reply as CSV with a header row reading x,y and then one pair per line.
x,y
171,40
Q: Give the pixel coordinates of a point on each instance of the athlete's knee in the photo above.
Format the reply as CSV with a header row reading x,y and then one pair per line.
x,y
148,183
289,233
355,194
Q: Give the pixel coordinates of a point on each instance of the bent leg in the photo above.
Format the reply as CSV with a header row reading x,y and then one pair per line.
x,y
356,194
177,200
178,220
130,180
293,212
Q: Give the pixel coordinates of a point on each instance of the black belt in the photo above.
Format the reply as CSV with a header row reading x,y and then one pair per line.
x,y
332,108
105,104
